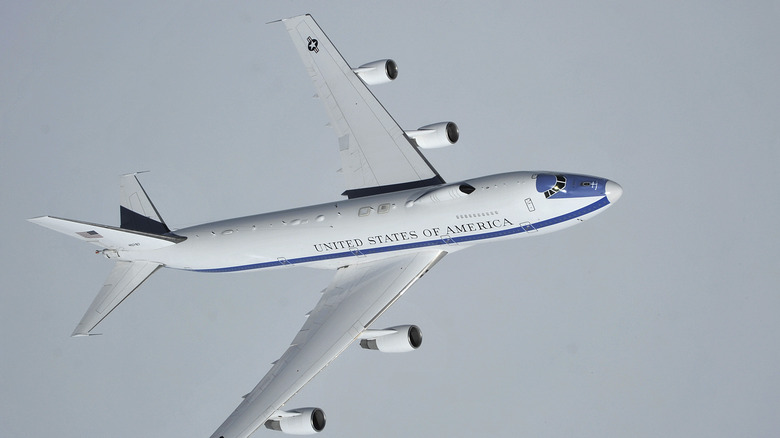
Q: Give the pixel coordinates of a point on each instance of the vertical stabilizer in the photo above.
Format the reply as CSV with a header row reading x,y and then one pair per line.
x,y
136,210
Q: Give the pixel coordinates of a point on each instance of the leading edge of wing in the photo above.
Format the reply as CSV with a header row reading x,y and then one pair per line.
x,y
376,155
356,296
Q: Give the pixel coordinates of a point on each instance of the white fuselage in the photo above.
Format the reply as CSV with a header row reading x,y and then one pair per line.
x,y
334,234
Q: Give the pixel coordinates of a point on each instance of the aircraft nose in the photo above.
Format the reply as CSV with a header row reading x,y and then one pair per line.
x,y
613,191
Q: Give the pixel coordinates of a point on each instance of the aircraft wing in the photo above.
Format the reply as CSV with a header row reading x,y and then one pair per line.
x,y
376,155
358,294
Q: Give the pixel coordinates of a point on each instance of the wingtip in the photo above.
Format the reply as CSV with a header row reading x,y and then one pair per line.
x,y
289,18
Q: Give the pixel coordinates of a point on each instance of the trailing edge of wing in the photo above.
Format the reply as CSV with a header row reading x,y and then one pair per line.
x,y
357,295
377,156
121,282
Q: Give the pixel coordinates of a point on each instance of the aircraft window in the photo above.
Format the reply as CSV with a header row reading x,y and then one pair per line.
x,y
383,208
364,211
560,183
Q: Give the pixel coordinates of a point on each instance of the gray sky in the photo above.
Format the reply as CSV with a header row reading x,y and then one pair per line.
x,y
656,318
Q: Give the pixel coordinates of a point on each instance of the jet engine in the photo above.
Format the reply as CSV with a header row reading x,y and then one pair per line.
x,y
303,421
398,339
437,135
378,72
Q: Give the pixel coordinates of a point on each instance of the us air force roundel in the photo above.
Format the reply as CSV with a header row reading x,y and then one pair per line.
x,y
313,45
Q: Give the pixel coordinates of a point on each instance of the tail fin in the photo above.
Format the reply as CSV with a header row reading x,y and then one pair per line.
x,y
141,228
136,211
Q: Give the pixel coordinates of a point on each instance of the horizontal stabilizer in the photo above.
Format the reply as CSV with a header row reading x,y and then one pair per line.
x,y
121,282
107,236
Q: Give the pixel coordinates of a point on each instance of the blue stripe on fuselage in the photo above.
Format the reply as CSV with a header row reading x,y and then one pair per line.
x,y
603,202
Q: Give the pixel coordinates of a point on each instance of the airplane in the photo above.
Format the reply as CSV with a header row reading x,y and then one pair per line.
x,y
398,220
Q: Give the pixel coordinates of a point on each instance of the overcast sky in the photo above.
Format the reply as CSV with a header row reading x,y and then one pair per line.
x,y
658,318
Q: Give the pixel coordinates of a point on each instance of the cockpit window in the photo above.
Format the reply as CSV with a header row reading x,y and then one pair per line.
x,y
560,183
568,185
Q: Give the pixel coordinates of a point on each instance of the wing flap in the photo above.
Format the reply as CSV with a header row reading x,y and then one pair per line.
x,y
358,295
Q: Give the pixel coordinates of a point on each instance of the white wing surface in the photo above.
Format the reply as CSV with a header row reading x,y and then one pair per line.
x,y
376,154
358,294
121,282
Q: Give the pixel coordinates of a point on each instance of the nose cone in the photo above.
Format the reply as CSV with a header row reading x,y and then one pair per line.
x,y
613,191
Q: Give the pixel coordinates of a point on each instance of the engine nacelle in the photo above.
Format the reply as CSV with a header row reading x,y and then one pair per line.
x,y
398,339
378,72
437,135
303,421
